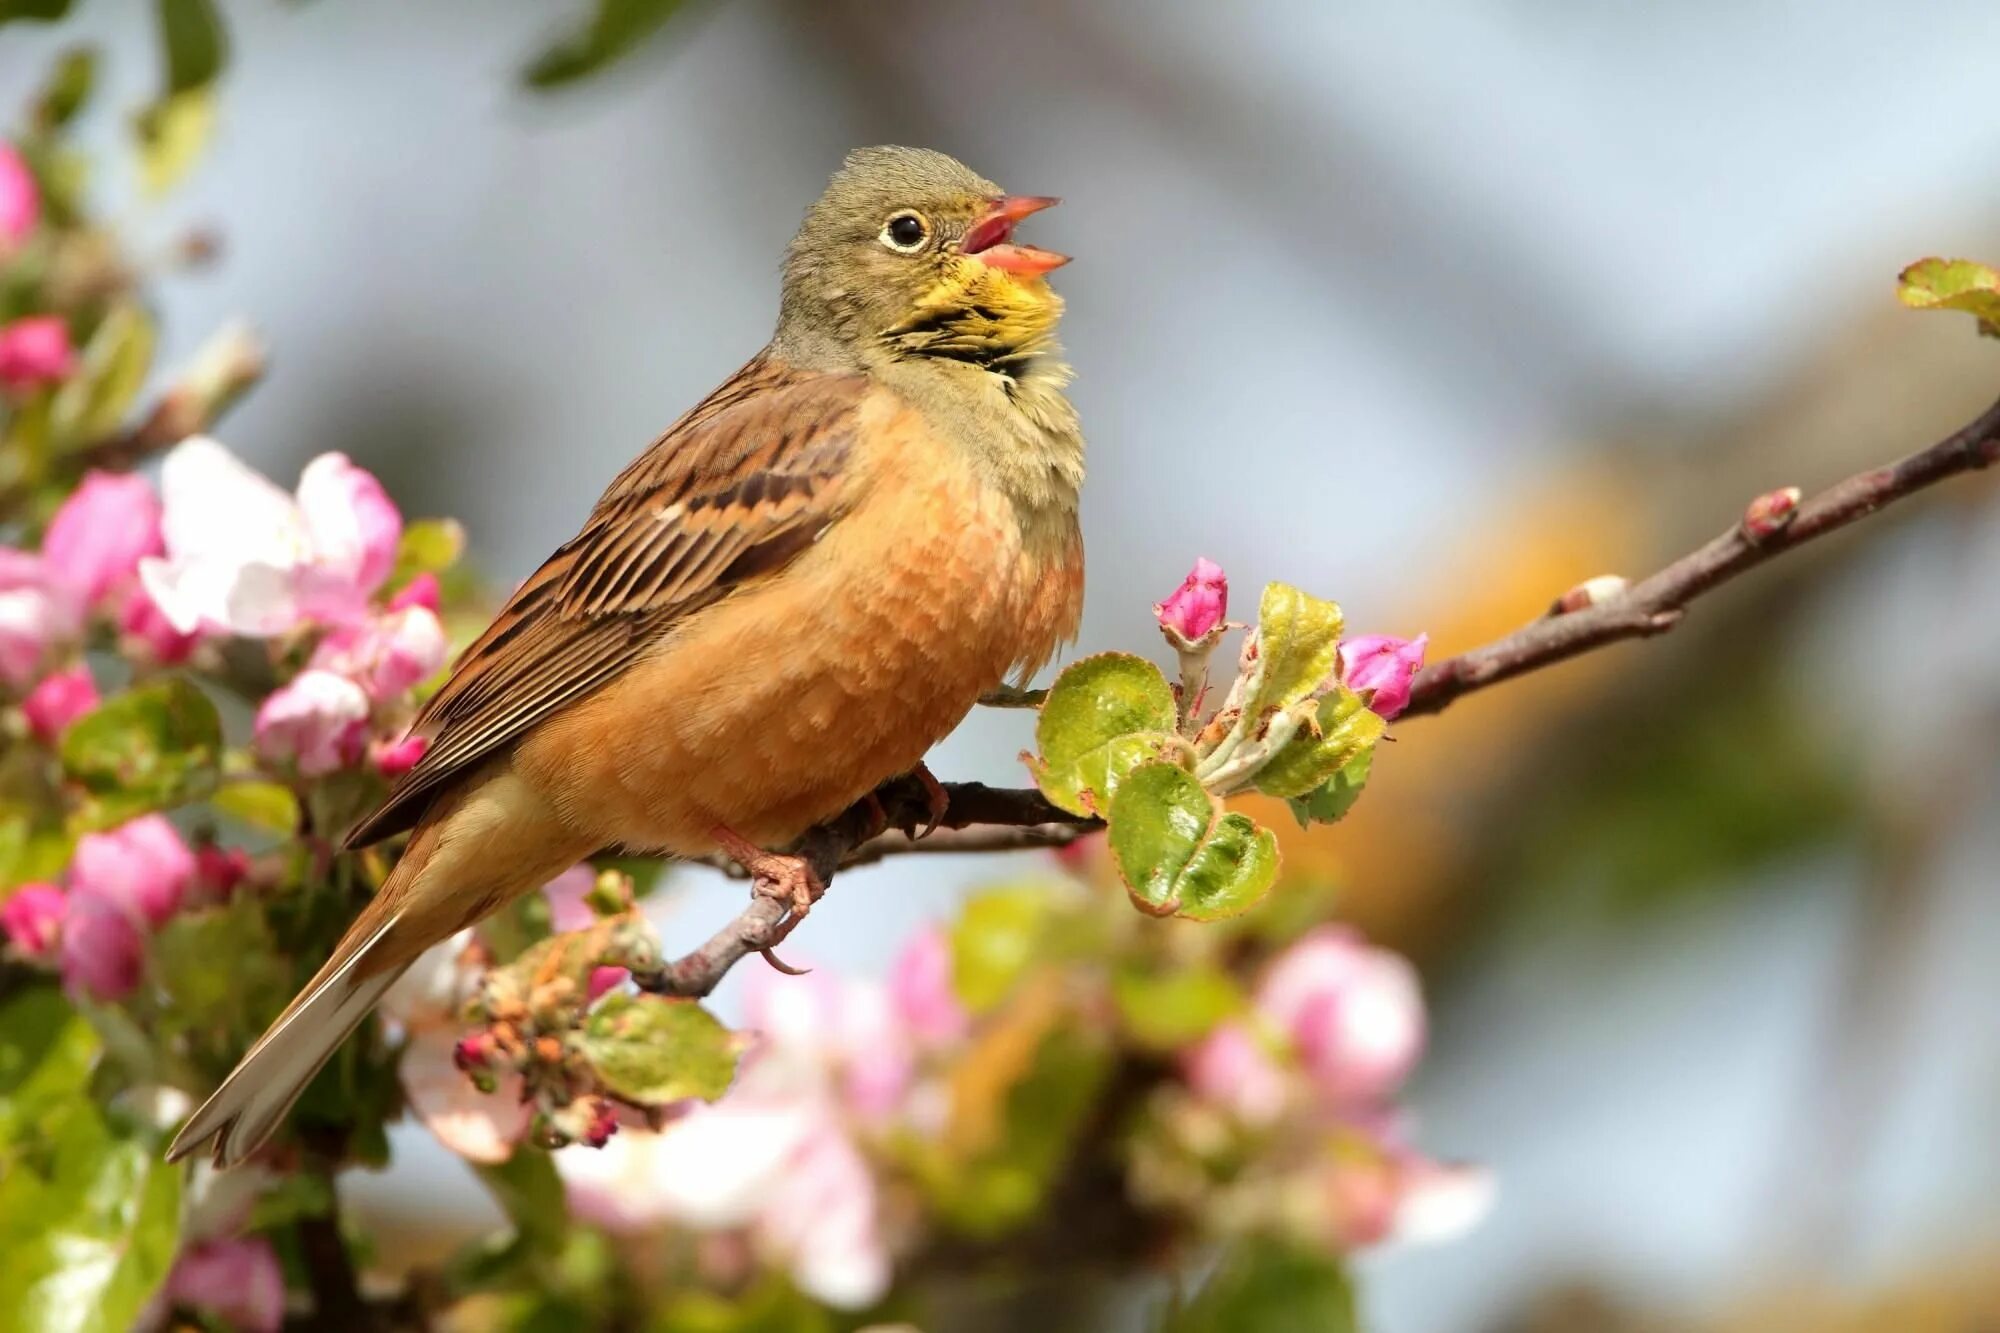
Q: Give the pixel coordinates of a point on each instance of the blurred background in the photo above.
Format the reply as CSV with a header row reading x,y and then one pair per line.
x,y
1520,291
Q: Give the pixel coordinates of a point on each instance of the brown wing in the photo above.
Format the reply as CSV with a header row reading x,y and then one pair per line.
x,y
732,491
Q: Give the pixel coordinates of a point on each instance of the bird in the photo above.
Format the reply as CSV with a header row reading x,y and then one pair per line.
x,y
785,601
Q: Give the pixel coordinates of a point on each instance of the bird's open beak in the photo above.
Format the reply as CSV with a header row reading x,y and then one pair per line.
x,y
991,237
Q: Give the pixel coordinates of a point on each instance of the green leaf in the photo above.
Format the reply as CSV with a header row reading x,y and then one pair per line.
x,y
429,546
1158,822
262,805
207,999
615,29
151,748
653,1050
1177,857
67,89
1347,731
172,134
46,1054
1163,1011
193,43
92,403
41,11
1096,702
1263,1287
1953,284
998,935
1333,798
87,1230
1298,646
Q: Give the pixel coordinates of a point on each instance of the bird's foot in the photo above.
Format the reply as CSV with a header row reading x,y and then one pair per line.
x,y
788,879
936,798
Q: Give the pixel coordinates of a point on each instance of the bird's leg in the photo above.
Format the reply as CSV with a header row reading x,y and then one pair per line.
x,y
789,879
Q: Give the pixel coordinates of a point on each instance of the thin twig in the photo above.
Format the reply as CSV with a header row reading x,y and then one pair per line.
x,y
1656,604
983,818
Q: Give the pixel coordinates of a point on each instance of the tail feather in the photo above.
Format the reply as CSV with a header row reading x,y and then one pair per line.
x,y
253,1100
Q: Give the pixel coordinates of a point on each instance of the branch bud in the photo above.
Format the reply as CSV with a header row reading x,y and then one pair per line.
x,y
1589,593
1771,513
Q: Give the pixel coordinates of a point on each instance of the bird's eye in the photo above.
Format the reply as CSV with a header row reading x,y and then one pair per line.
x,y
906,232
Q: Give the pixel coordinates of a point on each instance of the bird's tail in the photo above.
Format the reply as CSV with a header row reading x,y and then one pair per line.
x,y
378,948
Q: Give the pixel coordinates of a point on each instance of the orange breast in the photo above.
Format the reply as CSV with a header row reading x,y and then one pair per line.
x,y
791,699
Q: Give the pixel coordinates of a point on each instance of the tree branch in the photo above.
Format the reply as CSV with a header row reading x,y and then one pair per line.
x,y
1656,604
983,818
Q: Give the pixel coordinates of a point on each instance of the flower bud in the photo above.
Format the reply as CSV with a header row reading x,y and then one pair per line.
x,y
1382,667
421,591
32,917
35,351
219,870
96,540
399,757
604,979
476,1051
1589,593
319,721
1770,513
142,868
20,200
57,701
1198,606
1230,1069
603,1123
102,951
237,1281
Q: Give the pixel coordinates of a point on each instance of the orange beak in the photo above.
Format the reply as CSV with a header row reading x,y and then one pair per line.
x,y
991,237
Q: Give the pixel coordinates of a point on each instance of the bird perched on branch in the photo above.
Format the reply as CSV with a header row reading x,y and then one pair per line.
x,y
795,592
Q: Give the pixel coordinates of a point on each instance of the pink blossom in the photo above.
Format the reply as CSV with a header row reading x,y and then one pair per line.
x,y
96,539
399,757
319,721
421,591
1198,605
146,633
103,953
244,557
478,1126
1230,1068
20,200
845,1032
35,351
821,1221
60,699
920,988
31,918
1354,1014
31,617
219,870
1382,666
386,654
566,894
604,979
237,1281
142,868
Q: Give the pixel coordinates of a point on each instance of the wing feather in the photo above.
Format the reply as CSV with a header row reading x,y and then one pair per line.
x,y
731,493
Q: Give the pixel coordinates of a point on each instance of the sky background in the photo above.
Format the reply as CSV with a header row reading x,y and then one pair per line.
x,y
1350,281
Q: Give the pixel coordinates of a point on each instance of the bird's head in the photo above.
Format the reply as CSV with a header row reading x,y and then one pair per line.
x,y
909,253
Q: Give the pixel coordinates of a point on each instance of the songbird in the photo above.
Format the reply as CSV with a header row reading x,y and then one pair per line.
x,y
784,602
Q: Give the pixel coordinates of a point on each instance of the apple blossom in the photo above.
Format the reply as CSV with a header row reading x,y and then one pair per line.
x,y
35,351
1198,605
1353,1014
141,867
20,199
386,654
96,539
920,988
1382,666
243,556
318,721
236,1280
102,952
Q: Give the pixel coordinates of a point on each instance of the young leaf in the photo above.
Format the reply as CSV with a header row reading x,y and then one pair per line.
x,y
1953,284
616,28
1094,702
151,748
429,546
1333,798
653,1050
193,43
262,805
1347,731
1298,646
67,89
1177,857
1166,1010
113,369
172,134
997,936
